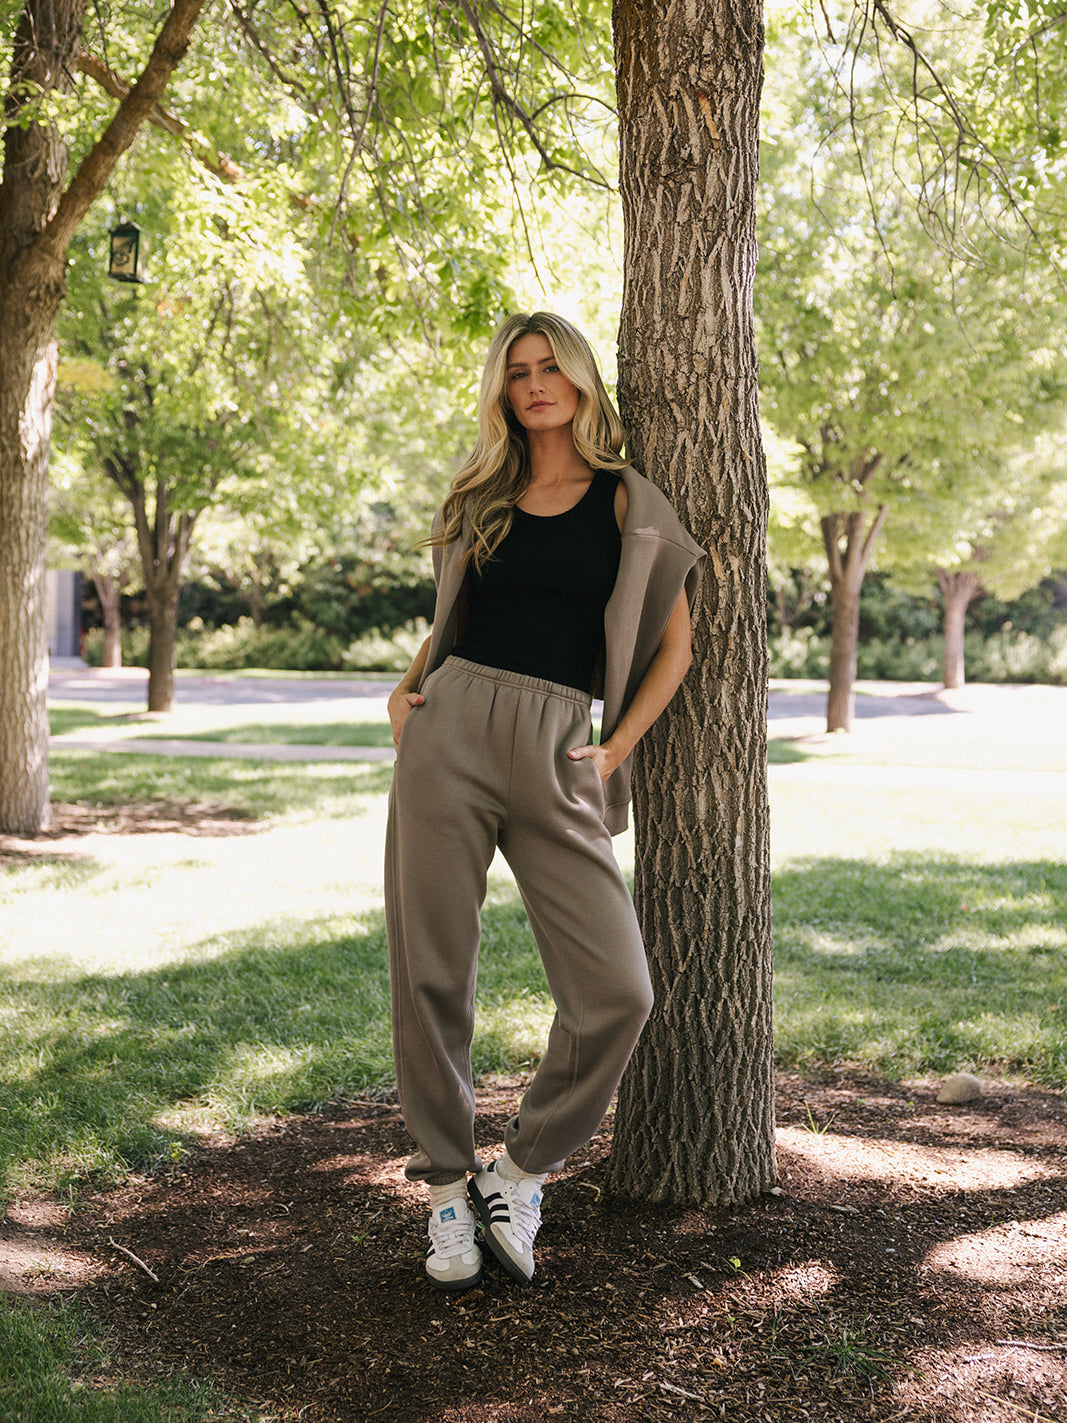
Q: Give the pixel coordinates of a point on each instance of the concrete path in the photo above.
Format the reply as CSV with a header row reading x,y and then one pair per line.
x,y
885,713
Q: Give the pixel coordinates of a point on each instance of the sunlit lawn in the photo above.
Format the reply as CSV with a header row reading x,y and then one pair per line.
x,y
164,984
155,986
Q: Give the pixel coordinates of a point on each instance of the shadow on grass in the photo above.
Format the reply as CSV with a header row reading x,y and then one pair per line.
x,y
922,964
62,720
250,788
106,1072
783,751
339,733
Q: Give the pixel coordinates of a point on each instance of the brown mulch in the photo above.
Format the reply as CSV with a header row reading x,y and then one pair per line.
x,y
914,1267
71,823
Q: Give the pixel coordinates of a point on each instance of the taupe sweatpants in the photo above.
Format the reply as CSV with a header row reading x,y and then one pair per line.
x,y
483,763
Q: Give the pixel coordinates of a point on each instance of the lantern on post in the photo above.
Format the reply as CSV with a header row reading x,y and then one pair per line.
x,y
126,262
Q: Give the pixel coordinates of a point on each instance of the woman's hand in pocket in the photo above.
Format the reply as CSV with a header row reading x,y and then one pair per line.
x,y
600,756
401,704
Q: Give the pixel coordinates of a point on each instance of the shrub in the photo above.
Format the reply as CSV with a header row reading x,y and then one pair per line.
x,y
299,647
914,660
376,652
798,652
1017,657
134,647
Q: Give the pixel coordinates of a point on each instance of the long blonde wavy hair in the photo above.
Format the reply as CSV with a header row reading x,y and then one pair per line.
x,y
497,471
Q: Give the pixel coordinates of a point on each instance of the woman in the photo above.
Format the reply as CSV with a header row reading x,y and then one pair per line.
x,y
561,574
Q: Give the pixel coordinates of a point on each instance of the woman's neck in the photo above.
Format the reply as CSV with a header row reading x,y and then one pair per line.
x,y
554,459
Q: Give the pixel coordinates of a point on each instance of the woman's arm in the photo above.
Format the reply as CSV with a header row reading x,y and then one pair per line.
x,y
403,696
657,687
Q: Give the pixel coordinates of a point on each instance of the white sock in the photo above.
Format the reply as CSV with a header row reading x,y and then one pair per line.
x,y
506,1167
439,1195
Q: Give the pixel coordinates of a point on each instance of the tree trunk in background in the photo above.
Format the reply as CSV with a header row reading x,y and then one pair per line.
x,y
849,543
844,651
163,543
958,592
27,385
110,595
162,642
695,1118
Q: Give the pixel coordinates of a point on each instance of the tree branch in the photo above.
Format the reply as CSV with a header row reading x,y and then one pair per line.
x,y
220,164
504,98
830,526
872,534
357,141
89,181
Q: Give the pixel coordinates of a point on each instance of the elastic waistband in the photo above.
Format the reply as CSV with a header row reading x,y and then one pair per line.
x,y
520,680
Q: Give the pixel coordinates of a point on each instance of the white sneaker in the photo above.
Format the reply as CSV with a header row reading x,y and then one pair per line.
x,y
511,1216
453,1261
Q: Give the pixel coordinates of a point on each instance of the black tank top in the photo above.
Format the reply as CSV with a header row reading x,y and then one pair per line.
x,y
537,606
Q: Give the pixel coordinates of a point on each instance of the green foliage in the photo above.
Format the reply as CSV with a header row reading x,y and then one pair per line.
x,y
898,371
393,652
300,646
330,249
134,641
1011,656
347,597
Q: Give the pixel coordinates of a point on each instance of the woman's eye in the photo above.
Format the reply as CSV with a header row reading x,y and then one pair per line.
x,y
516,375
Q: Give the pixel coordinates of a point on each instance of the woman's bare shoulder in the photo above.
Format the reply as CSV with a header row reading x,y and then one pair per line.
x,y
622,503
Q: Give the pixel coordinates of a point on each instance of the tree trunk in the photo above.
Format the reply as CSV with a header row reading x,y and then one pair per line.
x,y
37,221
695,1118
163,619
844,651
849,543
163,543
958,592
35,166
109,591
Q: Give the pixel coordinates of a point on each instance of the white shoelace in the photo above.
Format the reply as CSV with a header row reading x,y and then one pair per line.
x,y
525,1216
452,1237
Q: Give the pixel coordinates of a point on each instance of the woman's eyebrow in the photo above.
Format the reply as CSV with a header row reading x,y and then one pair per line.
x,y
521,365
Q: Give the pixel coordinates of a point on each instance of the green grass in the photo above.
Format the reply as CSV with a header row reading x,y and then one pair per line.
x,y
203,981
167,986
72,716
923,964
55,1368
252,788
299,733
173,984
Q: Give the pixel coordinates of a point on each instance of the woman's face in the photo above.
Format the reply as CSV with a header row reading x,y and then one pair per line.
x,y
537,390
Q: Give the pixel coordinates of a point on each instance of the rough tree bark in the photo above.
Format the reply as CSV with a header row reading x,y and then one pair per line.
x,y
695,1119
849,543
38,218
958,591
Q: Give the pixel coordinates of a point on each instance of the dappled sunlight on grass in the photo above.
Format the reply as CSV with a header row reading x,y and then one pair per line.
x,y
873,967
871,815
64,718
320,789
168,983
204,994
